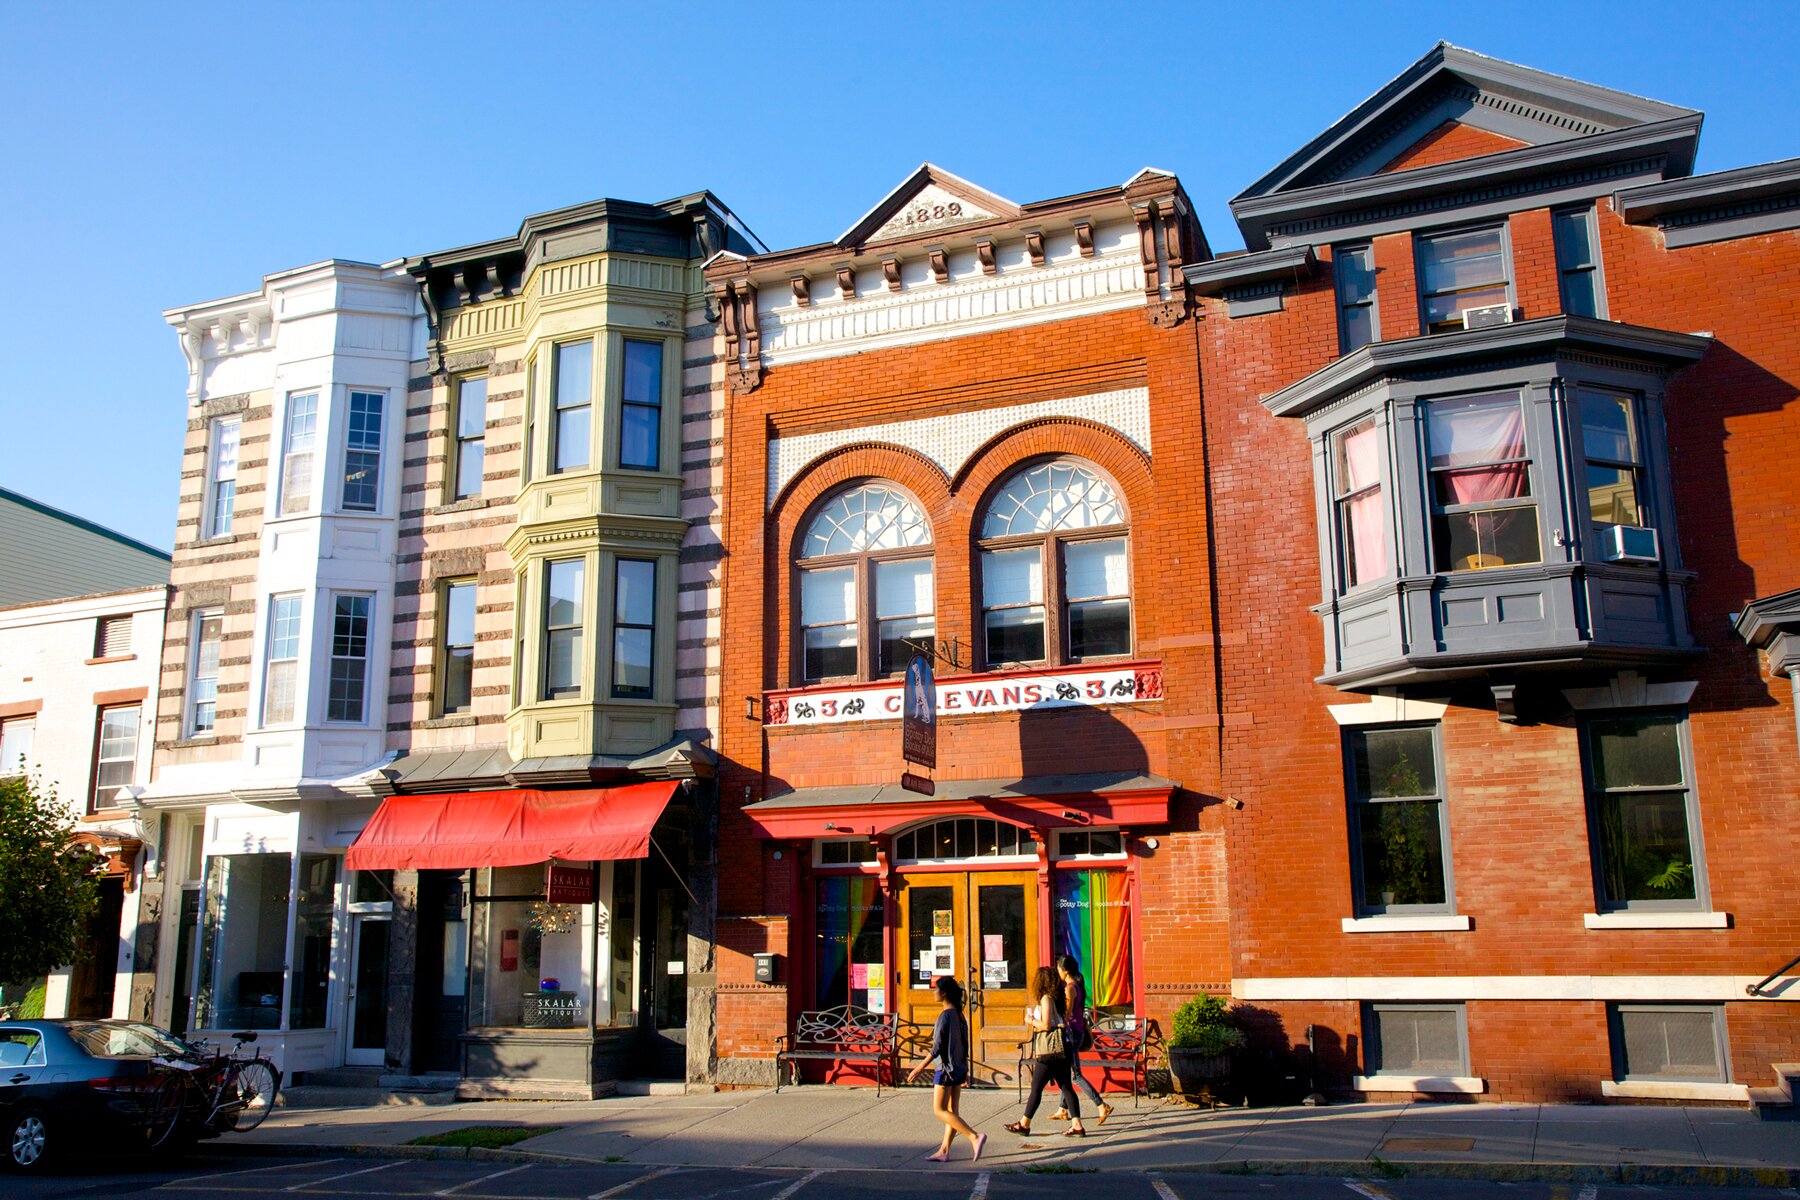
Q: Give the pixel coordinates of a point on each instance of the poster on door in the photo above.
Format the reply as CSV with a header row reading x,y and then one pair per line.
x,y
1093,924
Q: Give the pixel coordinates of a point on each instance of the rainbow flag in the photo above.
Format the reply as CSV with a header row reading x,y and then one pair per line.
x,y
1093,923
848,904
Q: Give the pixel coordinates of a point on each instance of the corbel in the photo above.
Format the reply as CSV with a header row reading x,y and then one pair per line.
x,y
1084,238
222,335
802,288
890,271
940,263
191,342
1160,247
746,369
247,324
846,279
1034,246
1506,702
728,318
460,277
497,279
984,250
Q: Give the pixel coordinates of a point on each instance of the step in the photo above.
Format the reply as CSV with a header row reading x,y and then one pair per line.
x,y
1778,1103
652,1087
309,1095
341,1077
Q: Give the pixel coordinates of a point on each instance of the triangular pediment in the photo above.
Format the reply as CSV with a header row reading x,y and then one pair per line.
x,y
1452,104
929,201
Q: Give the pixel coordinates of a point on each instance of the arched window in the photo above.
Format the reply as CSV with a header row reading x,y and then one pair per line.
x,y
865,584
1055,574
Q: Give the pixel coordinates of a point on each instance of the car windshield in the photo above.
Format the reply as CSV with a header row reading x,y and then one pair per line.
x,y
21,1048
110,1039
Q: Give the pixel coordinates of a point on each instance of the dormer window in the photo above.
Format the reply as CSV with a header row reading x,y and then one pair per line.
x,y
1459,271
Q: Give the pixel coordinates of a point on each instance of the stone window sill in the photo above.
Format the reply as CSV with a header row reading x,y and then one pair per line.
x,y
114,658
1451,1085
1423,923
1647,1090
1657,920
466,504
453,721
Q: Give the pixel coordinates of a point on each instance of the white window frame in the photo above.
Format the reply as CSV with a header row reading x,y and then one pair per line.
x,y
894,841
8,769
299,462
350,447
196,648
818,853
366,658
221,504
95,802
270,660
1059,855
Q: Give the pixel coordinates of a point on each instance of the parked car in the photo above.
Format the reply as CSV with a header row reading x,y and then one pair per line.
x,y
87,1083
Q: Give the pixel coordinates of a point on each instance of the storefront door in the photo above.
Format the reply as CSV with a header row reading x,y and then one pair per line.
x,y
368,990
982,928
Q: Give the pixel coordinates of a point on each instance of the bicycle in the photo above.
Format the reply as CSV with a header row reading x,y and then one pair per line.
x,y
234,1091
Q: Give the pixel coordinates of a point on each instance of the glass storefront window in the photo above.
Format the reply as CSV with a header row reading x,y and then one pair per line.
x,y
849,958
1093,924
310,983
244,941
531,962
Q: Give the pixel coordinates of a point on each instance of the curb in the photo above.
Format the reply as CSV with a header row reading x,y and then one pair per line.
x,y
1635,1174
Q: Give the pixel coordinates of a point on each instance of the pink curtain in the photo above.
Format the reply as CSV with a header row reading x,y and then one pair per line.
x,y
1480,435
1362,468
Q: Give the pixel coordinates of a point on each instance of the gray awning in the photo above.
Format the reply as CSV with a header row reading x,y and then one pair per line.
x,y
490,768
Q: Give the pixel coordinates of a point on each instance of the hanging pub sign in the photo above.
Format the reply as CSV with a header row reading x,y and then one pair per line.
x,y
570,885
918,714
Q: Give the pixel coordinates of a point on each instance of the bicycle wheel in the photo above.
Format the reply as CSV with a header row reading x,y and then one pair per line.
x,y
255,1084
163,1113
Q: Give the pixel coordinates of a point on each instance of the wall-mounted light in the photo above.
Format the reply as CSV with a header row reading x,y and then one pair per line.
x,y
752,708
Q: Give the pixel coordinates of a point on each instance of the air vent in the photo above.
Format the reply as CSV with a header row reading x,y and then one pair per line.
x,y
1629,543
113,638
1487,314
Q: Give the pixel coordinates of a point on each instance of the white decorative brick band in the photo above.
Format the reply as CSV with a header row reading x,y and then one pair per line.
x,y
950,440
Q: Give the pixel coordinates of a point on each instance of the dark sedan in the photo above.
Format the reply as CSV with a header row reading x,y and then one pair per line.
x,y
91,1083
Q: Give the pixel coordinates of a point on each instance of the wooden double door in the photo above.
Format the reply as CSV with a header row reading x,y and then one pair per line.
x,y
980,927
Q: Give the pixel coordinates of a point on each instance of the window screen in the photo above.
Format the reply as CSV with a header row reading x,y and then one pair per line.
x,y
1417,1040
1678,1044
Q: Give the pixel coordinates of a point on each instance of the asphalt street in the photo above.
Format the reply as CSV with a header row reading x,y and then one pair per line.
x,y
364,1179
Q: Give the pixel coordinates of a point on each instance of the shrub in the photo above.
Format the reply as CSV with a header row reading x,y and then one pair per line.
x,y
1206,1026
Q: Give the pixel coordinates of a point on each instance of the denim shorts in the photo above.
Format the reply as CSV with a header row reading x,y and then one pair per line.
x,y
948,1078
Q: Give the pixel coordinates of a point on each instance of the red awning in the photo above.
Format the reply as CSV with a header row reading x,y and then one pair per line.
x,y
454,830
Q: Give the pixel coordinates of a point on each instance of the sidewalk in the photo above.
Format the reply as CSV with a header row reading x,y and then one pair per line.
x,y
813,1127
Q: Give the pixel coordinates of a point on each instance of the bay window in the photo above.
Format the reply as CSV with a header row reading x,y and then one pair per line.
x,y
564,605
865,584
1481,484
640,417
1055,568
362,452
1362,540
634,628
298,437
572,394
1610,445
347,688
281,669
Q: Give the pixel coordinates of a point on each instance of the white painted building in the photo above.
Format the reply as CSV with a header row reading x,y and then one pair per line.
x,y
275,702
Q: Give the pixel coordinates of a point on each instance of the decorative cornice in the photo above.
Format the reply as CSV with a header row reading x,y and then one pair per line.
x,y
1219,275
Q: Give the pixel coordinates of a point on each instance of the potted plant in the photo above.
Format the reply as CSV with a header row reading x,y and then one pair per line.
x,y
1203,1035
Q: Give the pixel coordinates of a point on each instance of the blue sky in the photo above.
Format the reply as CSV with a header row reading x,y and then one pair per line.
x,y
152,156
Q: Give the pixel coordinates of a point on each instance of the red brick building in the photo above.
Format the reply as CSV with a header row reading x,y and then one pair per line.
x,y
1345,624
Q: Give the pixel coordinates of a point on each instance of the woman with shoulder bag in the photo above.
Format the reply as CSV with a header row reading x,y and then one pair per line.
x,y
1044,1017
1075,999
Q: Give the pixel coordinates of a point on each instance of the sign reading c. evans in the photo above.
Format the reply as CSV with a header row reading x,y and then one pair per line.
x,y
979,694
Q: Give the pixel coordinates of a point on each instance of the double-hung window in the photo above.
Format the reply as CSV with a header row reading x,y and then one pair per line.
x,y
1361,516
564,609
572,393
16,735
1055,570
115,753
471,436
346,694
1609,442
1578,262
457,646
634,628
221,488
1353,268
640,415
203,682
1641,808
1460,271
1398,826
297,452
362,452
1483,512
281,671
865,584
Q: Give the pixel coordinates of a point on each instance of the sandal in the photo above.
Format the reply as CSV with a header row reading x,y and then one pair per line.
x,y
1074,1131
1021,1127
1061,1114
1106,1110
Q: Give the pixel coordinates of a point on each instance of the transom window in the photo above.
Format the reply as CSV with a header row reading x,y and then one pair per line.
x,y
1090,843
1046,550
844,852
1460,271
866,585
1481,483
963,837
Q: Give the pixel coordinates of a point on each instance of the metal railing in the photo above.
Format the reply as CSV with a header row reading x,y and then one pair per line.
x,y
1756,989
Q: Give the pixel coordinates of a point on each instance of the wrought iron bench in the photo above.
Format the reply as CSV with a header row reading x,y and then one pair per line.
x,y
1115,1043
844,1034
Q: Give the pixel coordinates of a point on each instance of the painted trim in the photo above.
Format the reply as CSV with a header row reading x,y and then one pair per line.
x,y
1425,923
1631,988
1629,689
1387,710
1457,1085
1657,920
1646,1090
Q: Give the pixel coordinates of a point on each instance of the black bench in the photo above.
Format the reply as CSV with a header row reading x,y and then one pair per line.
x,y
1115,1043
843,1034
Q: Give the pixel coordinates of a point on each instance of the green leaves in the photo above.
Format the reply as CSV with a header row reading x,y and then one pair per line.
x,y
47,885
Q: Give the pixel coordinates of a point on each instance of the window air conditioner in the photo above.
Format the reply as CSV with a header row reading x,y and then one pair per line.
x,y
1629,543
1487,314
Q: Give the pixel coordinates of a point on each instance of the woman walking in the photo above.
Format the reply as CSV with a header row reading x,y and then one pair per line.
x,y
1046,1012
950,1047
1075,996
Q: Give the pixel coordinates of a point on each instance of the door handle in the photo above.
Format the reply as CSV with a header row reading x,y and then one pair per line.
x,y
19,1079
